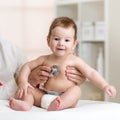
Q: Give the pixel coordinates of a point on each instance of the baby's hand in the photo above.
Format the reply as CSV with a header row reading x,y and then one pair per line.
x,y
22,90
110,90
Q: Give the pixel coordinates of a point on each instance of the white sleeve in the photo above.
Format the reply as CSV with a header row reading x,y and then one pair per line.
x,y
20,58
11,61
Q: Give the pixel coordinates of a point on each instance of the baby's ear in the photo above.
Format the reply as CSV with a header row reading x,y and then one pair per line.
x,y
48,40
75,44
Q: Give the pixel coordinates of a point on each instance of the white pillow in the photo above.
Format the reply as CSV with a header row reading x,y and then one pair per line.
x,y
8,89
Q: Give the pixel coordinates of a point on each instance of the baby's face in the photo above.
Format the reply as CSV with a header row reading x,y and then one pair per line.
x,y
62,40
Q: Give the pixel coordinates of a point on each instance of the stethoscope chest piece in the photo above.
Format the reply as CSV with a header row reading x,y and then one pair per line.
x,y
55,70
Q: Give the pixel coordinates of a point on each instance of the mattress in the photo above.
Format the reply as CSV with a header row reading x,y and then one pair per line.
x,y
85,110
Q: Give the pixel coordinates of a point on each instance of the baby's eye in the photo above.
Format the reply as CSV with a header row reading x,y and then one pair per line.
x,y
67,40
56,39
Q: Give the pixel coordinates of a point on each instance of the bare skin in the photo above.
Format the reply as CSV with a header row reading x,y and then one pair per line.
x,y
18,105
27,101
42,73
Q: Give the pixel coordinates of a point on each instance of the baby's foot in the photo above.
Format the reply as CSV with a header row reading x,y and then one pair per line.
x,y
18,105
55,104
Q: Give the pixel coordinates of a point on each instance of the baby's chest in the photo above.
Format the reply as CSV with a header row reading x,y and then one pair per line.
x,y
61,67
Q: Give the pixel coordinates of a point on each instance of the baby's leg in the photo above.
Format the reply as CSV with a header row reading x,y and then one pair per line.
x,y
25,104
67,100
33,97
71,97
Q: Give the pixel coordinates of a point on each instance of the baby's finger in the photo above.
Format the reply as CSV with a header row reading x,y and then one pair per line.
x,y
19,93
111,93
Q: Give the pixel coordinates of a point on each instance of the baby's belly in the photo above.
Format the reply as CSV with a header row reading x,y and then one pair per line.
x,y
58,85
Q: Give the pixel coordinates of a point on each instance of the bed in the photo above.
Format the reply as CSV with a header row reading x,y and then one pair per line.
x,y
85,110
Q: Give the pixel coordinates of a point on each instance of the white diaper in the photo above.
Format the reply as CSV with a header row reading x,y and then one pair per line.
x,y
46,100
8,89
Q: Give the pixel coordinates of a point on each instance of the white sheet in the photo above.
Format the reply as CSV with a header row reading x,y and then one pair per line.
x,y
85,110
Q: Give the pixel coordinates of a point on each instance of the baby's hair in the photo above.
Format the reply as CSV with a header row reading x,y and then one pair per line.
x,y
64,22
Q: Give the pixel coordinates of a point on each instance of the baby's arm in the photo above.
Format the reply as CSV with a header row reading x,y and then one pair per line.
x,y
22,80
95,78
100,82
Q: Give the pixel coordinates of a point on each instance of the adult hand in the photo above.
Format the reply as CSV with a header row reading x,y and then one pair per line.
x,y
74,75
39,75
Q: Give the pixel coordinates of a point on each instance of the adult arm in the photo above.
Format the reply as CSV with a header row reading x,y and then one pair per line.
x,y
39,75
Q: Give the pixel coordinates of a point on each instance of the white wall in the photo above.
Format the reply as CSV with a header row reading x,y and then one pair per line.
x,y
114,45
26,23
